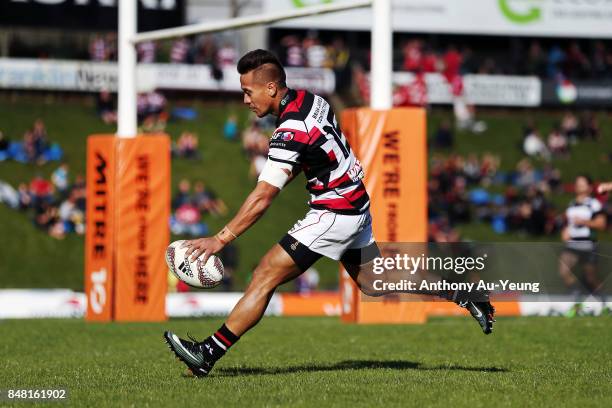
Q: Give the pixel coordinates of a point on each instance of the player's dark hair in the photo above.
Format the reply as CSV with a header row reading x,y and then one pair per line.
x,y
587,177
256,59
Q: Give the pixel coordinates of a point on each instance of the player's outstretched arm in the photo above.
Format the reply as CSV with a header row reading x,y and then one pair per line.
x,y
604,187
251,210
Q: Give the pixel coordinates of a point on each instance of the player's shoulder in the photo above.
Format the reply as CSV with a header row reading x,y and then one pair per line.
x,y
594,204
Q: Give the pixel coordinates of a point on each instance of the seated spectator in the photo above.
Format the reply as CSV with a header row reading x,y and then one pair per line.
x,y
569,126
29,147
186,220
557,142
207,201
525,174
9,195
589,126
71,215
156,115
25,197
41,191
105,107
187,146
534,146
230,129
183,195
39,133
251,139
444,137
59,178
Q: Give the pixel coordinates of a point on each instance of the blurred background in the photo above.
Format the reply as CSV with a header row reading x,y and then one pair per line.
x,y
518,99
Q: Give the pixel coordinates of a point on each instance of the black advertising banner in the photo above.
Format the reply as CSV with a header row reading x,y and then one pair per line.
x,y
89,14
577,93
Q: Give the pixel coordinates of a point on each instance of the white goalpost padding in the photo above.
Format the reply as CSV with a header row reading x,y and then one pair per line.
x,y
381,73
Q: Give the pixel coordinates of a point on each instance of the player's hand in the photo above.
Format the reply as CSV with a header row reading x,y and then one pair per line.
x,y
604,188
203,246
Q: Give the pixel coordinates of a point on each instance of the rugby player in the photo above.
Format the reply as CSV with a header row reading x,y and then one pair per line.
x,y
585,216
338,224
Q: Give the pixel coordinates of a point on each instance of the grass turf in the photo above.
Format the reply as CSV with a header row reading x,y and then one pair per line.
x,y
532,361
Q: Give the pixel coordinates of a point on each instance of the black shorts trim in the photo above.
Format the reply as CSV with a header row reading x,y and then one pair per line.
x,y
303,256
360,256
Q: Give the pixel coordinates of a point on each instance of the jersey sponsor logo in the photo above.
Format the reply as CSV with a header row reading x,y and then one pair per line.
x,y
356,173
283,136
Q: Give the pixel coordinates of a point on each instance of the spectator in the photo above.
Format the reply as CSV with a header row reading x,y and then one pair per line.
x,y
98,49
569,126
316,54
39,133
186,220
179,52
105,107
154,106
589,126
146,52
536,61
412,54
59,178
557,142
25,197
444,138
227,56
183,196
207,201
293,51
71,215
187,146
533,146
230,129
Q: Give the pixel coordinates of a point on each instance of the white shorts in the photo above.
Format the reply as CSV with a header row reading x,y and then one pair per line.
x,y
331,234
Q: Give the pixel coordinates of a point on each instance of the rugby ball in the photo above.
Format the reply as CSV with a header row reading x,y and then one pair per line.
x,y
194,273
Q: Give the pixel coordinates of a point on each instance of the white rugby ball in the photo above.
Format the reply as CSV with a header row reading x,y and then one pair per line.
x,y
194,273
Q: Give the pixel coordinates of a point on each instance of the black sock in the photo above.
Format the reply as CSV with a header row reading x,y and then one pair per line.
x,y
219,342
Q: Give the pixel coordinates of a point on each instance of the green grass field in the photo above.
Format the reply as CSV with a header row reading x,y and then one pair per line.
x,y
289,362
224,168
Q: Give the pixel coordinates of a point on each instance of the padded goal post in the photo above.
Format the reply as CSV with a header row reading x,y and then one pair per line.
x,y
392,147
128,210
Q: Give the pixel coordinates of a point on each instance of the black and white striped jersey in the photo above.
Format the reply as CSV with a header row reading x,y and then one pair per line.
x,y
581,236
308,136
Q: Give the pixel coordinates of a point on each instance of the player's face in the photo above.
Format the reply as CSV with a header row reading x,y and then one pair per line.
x,y
256,95
582,186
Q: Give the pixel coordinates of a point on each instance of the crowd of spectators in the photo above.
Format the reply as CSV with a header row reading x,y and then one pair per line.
x,y
466,189
34,147
574,59
565,134
56,206
460,188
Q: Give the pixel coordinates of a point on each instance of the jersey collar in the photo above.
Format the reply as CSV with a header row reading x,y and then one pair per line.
x,y
287,99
